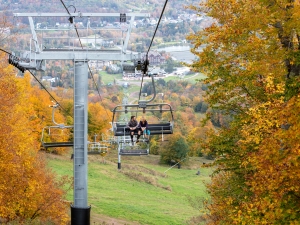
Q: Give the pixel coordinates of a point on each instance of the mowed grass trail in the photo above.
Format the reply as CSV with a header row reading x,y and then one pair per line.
x,y
139,193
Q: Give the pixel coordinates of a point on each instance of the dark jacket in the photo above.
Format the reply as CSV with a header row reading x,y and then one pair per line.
x,y
132,124
145,124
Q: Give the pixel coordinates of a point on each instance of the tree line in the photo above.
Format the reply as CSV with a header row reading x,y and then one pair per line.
x,y
251,58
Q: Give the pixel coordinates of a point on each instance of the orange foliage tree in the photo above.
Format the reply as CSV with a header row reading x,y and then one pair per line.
x,y
28,190
41,115
198,133
252,61
98,119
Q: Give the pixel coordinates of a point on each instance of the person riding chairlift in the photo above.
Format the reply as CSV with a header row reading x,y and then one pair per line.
x,y
133,126
143,127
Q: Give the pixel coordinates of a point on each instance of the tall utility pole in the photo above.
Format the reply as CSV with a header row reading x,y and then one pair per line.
x,y
80,210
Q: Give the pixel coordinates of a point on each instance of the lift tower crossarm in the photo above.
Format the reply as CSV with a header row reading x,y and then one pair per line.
x,y
86,55
79,54
79,14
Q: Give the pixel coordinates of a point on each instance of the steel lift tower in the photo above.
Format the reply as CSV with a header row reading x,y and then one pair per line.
x,y
34,60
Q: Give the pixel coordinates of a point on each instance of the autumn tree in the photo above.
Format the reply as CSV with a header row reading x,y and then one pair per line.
x,y
198,133
154,145
251,58
98,119
28,190
175,150
41,116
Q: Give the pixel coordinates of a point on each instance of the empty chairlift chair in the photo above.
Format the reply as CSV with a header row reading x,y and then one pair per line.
x,y
97,148
58,135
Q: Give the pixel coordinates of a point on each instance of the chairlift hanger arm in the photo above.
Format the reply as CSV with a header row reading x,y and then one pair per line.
x,y
143,102
53,119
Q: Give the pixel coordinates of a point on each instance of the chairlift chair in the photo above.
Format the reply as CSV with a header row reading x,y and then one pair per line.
x,y
120,128
50,132
143,106
160,128
97,148
122,132
127,149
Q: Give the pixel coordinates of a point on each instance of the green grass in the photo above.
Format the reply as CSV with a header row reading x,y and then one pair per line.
x,y
134,88
191,78
109,78
140,191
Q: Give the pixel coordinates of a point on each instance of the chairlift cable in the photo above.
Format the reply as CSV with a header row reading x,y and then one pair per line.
x,y
146,58
62,2
157,26
5,51
71,21
49,93
42,86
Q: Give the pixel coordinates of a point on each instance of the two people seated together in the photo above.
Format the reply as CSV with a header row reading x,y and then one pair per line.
x,y
142,126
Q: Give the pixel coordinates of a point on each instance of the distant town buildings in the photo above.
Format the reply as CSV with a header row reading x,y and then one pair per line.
x,y
49,79
154,57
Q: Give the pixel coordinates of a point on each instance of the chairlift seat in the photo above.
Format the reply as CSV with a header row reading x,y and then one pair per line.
x,y
57,144
134,152
97,148
155,129
48,130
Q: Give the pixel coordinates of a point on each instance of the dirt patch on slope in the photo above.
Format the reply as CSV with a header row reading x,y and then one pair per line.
x,y
97,219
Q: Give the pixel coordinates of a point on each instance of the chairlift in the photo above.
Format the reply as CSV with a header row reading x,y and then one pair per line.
x,y
97,148
143,106
51,133
127,149
108,137
121,131
158,128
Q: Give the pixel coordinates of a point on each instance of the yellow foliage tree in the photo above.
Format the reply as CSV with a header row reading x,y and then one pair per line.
x,y
41,115
196,134
252,61
27,189
99,118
